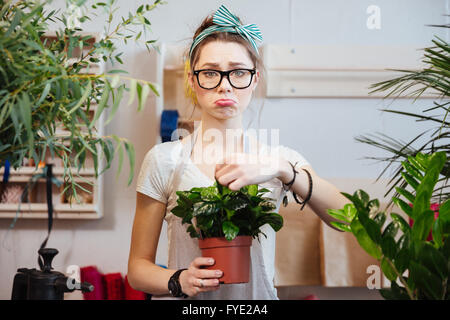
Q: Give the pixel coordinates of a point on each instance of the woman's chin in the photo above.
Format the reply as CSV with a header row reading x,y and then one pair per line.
x,y
225,112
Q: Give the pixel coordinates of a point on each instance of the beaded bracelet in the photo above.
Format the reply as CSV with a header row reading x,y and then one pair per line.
x,y
285,201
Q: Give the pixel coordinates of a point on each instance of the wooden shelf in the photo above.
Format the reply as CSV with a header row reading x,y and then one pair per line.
x,y
42,207
56,215
27,172
35,206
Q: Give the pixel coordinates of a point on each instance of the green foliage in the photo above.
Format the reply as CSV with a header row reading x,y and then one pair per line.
x,y
44,86
398,246
221,212
433,76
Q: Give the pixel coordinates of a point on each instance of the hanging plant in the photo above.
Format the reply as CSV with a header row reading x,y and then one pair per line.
x,y
45,86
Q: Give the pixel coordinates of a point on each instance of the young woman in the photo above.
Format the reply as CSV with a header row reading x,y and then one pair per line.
x,y
223,70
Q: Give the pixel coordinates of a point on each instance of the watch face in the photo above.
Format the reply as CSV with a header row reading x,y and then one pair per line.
x,y
172,288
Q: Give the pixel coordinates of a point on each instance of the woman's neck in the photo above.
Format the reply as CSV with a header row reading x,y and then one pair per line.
x,y
217,138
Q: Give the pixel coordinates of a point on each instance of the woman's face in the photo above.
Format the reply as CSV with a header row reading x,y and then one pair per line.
x,y
223,56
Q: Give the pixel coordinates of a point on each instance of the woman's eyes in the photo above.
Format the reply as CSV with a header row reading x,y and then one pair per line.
x,y
211,74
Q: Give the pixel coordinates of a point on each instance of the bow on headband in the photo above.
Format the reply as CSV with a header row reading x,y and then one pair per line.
x,y
225,21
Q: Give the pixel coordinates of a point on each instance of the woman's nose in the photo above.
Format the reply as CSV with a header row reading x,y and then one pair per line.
x,y
225,84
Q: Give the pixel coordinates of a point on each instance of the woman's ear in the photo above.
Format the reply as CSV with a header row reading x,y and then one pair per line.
x,y
190,80
256,81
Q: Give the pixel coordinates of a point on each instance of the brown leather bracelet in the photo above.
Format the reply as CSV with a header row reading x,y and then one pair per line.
x,y
309,191
290,183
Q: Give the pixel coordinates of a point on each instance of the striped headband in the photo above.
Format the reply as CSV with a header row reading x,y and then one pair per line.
x,y
225,21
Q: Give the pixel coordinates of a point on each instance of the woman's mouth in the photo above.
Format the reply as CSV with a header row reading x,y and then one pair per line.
x,y
225,102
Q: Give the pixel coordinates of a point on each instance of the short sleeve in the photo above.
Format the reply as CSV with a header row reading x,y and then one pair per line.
x,y
152,178
293,156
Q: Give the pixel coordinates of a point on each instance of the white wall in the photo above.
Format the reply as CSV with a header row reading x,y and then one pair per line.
x,y
322,130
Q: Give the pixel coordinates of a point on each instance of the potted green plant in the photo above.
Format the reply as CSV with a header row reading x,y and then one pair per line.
x,y
417,268
225,222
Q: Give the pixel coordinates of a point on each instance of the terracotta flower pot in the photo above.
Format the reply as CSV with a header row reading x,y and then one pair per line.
x,y
232,257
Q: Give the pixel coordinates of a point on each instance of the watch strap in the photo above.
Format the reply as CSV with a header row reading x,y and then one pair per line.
x,y
175,279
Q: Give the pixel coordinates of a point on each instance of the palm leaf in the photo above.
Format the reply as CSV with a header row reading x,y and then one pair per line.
x,y
436,76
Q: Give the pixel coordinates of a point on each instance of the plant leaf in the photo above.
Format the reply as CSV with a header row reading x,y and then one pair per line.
x,y
404,226
133,84
403,205
388,270
433,260
86,94
131,158
341,226
402,260
372,228
230,230
391,230
388,246
410,179
425,280
422,225
115,106
364,240
408,195
101,105
338,214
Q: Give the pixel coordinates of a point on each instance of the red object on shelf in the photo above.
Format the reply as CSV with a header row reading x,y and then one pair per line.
x,y
114,286
310,297
94,277
435,208
132,294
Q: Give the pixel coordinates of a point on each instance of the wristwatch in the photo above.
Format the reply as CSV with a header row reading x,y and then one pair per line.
x,y
175,286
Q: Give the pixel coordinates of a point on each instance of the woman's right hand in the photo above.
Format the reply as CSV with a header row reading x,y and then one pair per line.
x,y
196,279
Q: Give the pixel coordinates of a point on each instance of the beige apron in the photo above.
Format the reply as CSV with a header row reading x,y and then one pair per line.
x,y
183,249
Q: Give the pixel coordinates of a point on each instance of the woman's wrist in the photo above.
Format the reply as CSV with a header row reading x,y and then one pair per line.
x,y
285,173
182,280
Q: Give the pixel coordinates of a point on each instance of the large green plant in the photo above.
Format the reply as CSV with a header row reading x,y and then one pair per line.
x,y
221,212
427,262
43,86
434,76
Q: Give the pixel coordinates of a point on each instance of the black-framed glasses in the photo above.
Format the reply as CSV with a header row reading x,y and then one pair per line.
x,y
238,78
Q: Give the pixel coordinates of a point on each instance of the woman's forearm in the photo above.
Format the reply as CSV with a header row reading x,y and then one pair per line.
x,y
324,194
143,275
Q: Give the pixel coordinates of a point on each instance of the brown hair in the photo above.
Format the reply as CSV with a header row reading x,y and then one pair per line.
x,y
226,37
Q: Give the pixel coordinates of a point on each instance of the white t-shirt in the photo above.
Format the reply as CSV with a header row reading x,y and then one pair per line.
x,y
154,181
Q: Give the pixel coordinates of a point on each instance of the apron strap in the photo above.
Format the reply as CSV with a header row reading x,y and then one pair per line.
x,y
186,151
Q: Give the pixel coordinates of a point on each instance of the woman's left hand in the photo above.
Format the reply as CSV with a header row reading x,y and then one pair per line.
x,y
241,169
